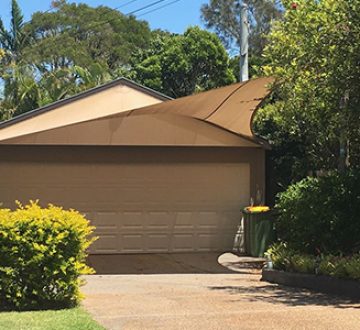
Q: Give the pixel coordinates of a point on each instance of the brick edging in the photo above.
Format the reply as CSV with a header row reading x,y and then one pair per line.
x,y
320,283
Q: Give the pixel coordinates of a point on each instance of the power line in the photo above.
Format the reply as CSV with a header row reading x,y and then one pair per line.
x,y
125,4
145,7
158,8
128,14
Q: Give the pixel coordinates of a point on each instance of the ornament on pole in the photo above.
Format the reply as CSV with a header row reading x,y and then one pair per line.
x,y
244,43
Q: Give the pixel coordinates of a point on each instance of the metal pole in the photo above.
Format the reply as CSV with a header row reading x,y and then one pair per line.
x,y
244,43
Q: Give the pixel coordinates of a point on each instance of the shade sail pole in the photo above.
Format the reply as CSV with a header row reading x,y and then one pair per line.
x,y
244,43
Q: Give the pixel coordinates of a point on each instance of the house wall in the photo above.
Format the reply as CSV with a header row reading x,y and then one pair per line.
x,y
12,155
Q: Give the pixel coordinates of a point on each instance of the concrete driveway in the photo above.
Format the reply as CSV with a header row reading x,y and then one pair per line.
x,y
207,292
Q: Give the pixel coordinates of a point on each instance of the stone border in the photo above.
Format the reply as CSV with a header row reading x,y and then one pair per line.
x,y
320,283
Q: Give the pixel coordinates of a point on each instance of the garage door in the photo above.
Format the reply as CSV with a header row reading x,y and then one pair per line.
x,y
141,208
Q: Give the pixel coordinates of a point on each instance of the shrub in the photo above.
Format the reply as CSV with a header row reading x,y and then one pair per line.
x,y
321,214
42,255
280,255
300,263
332,266
352,268
289,260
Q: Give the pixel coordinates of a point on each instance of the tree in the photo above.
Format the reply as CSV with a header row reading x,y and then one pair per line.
x,y
59,54
14,40
180,65
12,44
224,17
314,54
77,34
35,91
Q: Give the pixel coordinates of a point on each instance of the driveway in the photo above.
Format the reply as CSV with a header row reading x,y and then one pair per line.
x,y
207,292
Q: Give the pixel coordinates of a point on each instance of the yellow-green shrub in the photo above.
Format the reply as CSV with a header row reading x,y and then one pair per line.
x,y
42,255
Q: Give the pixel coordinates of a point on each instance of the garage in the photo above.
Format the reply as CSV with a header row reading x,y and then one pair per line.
x,y
158,176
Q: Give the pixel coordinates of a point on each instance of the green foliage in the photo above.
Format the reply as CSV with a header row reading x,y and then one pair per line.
x,y
179,65
308,119
75,34
333,266
42,255
25,90
14,39
280,255
302,264
321,214
62,53
223,16
287,259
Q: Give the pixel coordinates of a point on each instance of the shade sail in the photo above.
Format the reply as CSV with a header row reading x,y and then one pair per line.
x,y
230,109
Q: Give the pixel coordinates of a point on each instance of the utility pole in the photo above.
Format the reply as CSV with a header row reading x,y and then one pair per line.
x,y
344,143
244,43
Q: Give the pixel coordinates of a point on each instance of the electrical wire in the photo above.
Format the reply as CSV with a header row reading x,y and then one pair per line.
x,y
145,7
126,4
158,8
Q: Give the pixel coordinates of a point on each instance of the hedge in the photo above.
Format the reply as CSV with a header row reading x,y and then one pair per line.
x,y
42,255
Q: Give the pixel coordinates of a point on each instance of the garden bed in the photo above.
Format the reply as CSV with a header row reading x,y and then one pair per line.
x,y
320,283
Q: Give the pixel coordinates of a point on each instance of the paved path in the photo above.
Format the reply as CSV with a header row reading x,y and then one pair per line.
x,y
200,300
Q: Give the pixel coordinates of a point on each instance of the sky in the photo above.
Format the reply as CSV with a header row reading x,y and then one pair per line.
x,y
176,17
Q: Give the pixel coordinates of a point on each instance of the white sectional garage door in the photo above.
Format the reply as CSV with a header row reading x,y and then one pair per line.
x,y
143,208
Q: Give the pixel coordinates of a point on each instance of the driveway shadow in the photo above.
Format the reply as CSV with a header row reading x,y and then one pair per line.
x,y
277,294
175,263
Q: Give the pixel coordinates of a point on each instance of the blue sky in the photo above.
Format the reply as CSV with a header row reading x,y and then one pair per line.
x,y
174,18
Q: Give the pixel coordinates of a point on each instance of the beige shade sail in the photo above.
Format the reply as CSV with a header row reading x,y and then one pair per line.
x,y
228,109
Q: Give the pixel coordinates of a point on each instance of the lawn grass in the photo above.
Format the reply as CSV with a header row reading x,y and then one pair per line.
x,y
66,319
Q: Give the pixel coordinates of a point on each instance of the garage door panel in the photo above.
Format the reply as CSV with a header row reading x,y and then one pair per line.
x,y
184,221
183,243
158,243
208,242
159,221
132,243
130,221
106,243
141,207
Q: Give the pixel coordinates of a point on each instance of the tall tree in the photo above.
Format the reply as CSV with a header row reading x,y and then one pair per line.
x,y
179,65
58,54
15,39
12,43
224,17
77,34
314,53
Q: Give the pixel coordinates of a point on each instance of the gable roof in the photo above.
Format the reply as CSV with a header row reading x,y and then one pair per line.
x,y
120,81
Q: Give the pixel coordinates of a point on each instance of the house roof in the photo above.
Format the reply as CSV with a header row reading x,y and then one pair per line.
x,y
228,109
82,95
